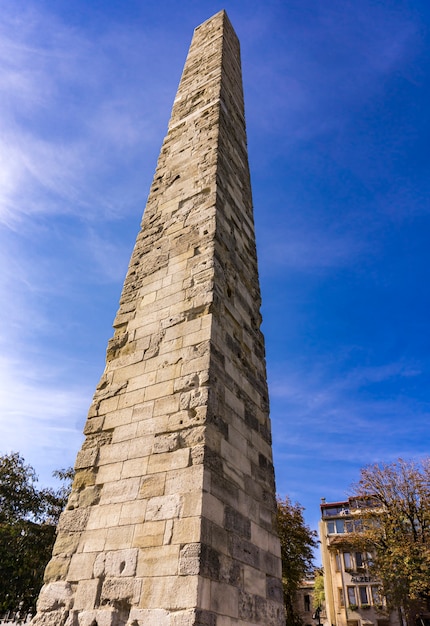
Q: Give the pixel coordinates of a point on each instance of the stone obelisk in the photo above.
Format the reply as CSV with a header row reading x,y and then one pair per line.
x,y
171,517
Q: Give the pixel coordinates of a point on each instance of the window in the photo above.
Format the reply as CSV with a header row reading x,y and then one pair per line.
x,y
362,591
347,561
351,595
307,600
336,526
338,563
359,559
375,595
353,526
341,599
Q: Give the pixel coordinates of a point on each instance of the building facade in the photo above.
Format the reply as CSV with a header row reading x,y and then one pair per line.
x,y
304,604
352,595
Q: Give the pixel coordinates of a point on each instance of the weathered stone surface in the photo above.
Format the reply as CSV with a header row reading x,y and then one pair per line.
x,y
118,563
117,590
54,596
171,517
87,595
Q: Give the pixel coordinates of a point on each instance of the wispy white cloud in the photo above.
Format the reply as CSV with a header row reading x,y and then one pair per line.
x,y
339,406
40,414
62,129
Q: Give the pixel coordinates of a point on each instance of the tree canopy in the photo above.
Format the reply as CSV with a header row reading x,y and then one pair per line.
x,y
28,517
297,544
396,528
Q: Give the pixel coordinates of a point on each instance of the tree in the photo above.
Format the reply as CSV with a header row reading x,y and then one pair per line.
x,y
297,544
319,591
28,517
396,530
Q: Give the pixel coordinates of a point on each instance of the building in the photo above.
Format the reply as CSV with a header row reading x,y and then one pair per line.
x,y
304,604
351,594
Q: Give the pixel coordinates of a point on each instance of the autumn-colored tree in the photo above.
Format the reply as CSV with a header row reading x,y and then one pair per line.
x,y
297,544
396,529
28,518
319,591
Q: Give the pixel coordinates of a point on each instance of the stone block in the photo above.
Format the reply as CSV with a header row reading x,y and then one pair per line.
x,y
159,390
89,496
152,485
124,432
109,473
186,530
191,339
93,425
274,589
181,592
54,595
169,461
194,617
142,412
119,538
132,512
166,443
167,405
271,564
103,516
140,447
224,599
163,507
183,329
158,561
121,563
81,567
56,569
93,540
238,440
130,400
73,521
151,617
237,461
141,382
120,491
114,453
185,480
101,617
117,418
149,534
260,536
213,509
192,504
189,564
244,551
134,467
66,544
127,372
254,581
237,523
86,595
84,478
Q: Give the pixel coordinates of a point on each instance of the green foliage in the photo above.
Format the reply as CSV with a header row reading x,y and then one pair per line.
x,y
297,544
397,527
28,517
319,592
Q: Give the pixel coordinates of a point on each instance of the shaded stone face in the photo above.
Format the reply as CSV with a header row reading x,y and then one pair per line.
x,y
170,520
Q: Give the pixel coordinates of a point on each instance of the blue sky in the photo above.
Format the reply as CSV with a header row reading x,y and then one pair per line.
x,y
337,95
